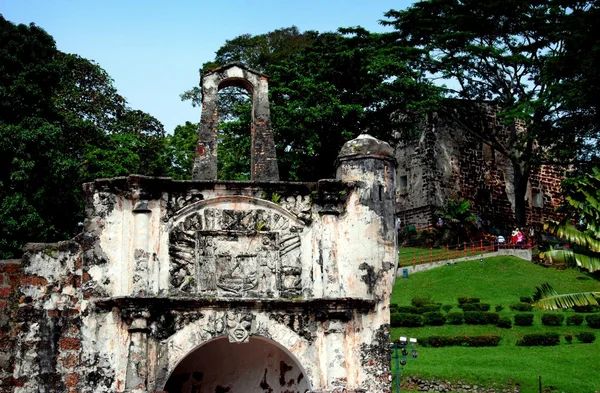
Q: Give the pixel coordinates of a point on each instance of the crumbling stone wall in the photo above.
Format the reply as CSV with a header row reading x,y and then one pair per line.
x,y
10,273
164,270
447,162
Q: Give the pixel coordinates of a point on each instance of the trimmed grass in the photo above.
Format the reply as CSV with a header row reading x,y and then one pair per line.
x,y
416,255
502,280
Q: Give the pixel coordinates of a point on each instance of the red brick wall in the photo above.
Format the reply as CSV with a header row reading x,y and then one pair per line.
x,y
10,272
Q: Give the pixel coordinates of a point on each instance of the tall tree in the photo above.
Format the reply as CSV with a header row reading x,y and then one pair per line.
x,y
495,53
575,69
62,123
325,89
180,148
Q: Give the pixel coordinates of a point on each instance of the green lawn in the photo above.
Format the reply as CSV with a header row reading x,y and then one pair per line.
x,y
417,255
502,280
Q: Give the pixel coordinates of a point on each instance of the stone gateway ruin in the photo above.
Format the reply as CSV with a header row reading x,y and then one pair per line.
x,y
213,286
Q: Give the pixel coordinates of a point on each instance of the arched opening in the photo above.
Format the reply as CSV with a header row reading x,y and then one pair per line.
x,y
218,366
235,108
263,162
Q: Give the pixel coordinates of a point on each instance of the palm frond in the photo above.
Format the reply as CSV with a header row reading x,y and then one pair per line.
x,y
546,298
572,258
573,235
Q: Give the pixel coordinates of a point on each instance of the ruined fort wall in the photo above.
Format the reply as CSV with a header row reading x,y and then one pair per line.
x,y
449,163
163,267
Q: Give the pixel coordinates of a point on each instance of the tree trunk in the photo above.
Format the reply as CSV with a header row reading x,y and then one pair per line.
x,y
521,179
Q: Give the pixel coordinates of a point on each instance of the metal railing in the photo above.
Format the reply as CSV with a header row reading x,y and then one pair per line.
x,y
419,256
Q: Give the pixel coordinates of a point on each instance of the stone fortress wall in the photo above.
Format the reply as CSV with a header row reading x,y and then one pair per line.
x,y
446,162
212,286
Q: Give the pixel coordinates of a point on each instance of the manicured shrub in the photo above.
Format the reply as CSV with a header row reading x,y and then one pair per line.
x,y
586,308
438,341
504,322
429,308
393,307
407,309
593,320
568,338
525,299
553,319
463,300
586,337
574,319
406,320
523,307
447,307
539,339
481,317
475,307
434,318
499,307
524,319
420,301
455,318
487,340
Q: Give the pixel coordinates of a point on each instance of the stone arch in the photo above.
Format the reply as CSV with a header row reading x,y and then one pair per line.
x,y
257,366
263,158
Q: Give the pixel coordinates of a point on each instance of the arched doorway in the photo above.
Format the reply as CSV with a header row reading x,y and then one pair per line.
x,y
218,366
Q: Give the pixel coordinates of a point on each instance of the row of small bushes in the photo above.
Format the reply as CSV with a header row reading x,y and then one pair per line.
x,y
422,304
490,340
487,340
555,319
436,318
551,339
415,310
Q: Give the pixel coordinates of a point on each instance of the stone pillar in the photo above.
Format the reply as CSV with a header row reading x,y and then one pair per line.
x,y
205,161
337,373
263,158
141,241
137,356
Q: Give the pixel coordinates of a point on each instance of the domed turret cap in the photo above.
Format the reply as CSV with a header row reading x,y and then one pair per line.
x,y
366,146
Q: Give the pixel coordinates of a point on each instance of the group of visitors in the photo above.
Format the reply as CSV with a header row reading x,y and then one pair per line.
x,y
517,238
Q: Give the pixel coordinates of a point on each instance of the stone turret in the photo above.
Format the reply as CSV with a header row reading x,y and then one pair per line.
x,y
370,164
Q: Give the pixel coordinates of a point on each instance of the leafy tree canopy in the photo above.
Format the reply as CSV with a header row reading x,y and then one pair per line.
x,y
505,54
62,123
325,88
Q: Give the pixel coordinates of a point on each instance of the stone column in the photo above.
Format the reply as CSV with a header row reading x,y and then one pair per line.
x,y
141,241
263,158
205,161
337,372
137,356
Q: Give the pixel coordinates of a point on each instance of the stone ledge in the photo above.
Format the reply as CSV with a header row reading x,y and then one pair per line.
x,y
332,306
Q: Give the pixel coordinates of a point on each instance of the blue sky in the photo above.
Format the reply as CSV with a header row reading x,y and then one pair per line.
x,y
153,49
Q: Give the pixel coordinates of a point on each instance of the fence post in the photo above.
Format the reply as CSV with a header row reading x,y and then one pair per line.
x,y
430,254
465,248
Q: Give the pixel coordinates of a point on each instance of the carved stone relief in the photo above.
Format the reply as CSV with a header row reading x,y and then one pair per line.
x,y
236,253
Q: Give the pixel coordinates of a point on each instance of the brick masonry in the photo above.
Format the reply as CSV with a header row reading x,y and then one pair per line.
x,y
449,163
